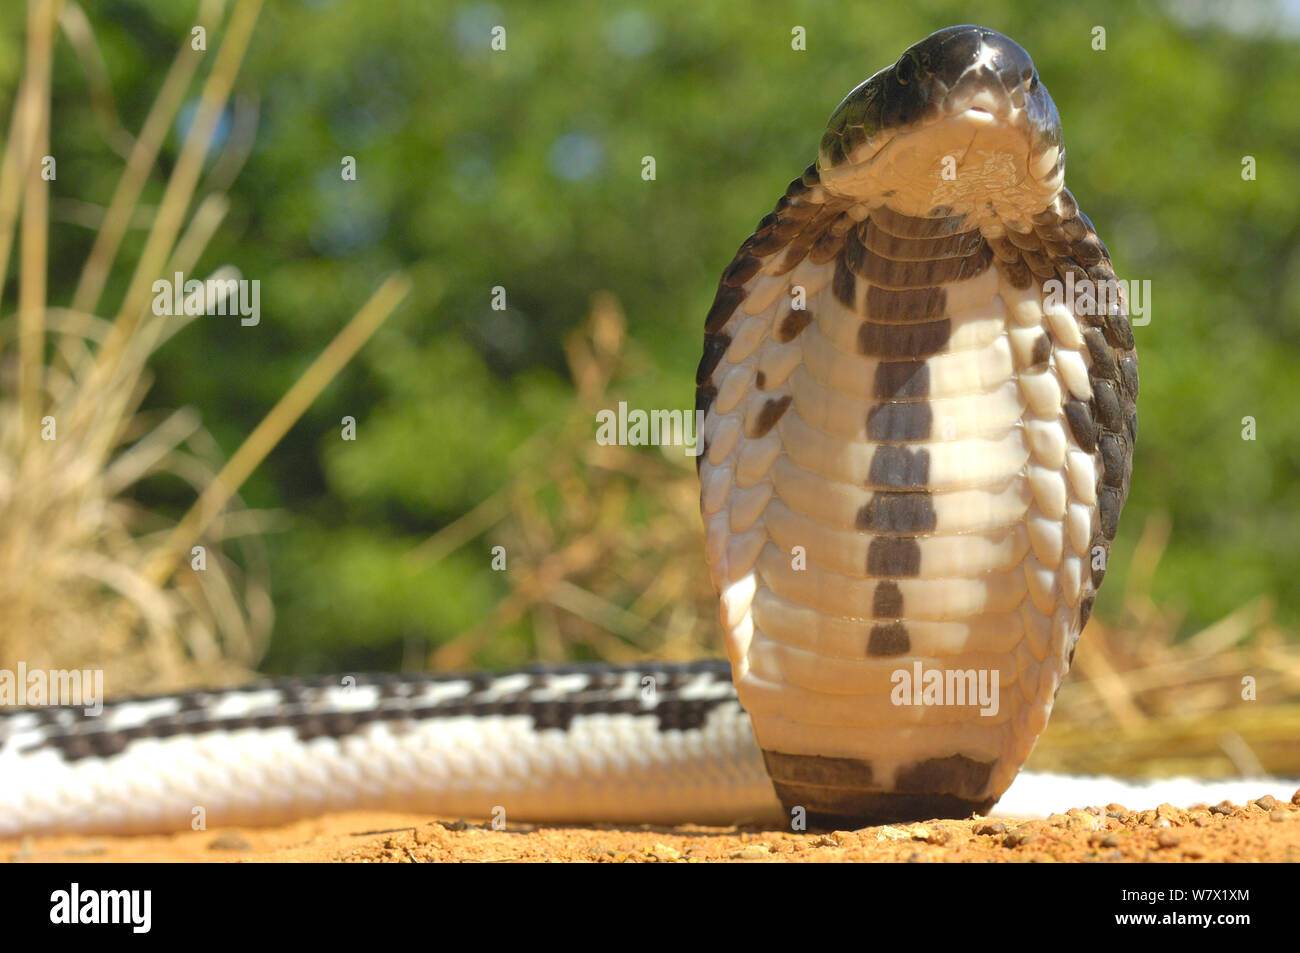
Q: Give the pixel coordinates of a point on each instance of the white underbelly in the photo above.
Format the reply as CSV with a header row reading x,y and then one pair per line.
x,y
887,497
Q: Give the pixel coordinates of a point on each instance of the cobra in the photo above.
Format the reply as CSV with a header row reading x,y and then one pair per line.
x,y
914,454
917,450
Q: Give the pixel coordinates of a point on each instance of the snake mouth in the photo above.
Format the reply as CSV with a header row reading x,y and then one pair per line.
x,y
960,122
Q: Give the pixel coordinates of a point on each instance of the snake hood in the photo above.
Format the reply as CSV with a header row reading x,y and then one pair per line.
x,y
961,121
916,447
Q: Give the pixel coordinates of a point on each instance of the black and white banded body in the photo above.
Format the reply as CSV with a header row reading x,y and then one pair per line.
x,y
914,452
654,743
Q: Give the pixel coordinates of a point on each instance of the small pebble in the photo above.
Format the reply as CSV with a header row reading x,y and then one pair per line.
x,y
1266,803
1167,839
930,836
891,833
1175,815
997,827
1223,807
234,840
665,854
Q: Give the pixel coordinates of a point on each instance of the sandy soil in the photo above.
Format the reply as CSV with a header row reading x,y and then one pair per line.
x,y
1261,830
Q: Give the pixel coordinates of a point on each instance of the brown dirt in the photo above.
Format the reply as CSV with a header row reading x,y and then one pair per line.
x,y
1262,830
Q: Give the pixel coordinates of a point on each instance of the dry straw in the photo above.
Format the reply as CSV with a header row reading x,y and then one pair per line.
x,y
88,577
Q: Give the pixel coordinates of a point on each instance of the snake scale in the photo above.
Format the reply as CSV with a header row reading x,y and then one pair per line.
x,y
915,454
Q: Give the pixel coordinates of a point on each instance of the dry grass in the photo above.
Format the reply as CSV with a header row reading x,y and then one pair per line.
x,y
88,577
606,550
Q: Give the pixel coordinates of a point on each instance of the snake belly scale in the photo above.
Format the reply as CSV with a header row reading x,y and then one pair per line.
x,y
915,457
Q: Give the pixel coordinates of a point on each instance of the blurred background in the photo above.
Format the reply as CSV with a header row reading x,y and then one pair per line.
x,y
523,168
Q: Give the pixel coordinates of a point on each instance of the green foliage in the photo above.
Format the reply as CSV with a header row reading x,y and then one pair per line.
x,y
523,169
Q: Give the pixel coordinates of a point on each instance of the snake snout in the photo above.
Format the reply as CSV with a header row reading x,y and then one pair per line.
x,y
970,72
977,68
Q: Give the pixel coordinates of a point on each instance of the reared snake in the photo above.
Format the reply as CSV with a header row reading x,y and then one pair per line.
x,y
915,454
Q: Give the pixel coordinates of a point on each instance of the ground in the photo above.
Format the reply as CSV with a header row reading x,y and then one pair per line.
x,y
1260,830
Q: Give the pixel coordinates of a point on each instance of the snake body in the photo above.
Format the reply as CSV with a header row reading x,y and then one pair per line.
x,y
917,449
655,743
912,455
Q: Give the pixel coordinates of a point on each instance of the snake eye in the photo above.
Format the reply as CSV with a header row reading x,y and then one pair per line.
x,y
905,71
